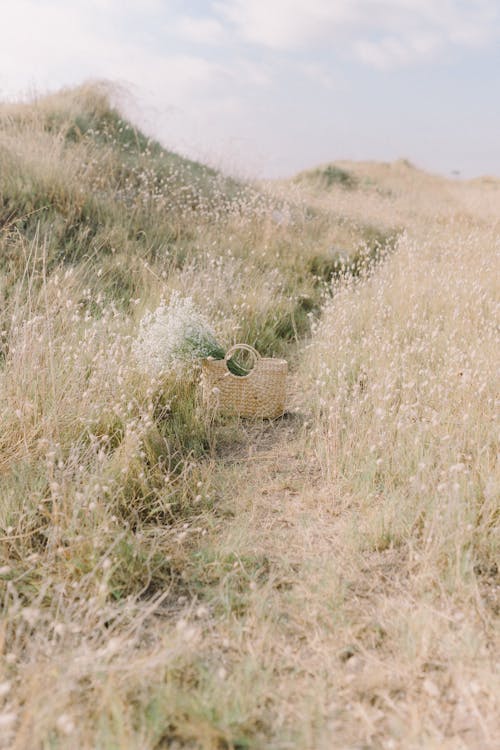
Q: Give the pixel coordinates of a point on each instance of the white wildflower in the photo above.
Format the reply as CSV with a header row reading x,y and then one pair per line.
x,y
65,724
6,719
174,336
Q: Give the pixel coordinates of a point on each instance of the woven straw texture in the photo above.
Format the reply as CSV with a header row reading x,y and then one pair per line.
x,y
261,393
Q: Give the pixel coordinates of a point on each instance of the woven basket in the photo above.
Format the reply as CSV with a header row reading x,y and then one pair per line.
x,y
261,393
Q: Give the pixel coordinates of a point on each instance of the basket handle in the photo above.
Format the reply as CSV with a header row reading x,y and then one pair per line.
x,y
233,349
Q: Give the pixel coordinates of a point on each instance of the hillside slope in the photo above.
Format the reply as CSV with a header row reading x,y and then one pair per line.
x,y
395,193
171,579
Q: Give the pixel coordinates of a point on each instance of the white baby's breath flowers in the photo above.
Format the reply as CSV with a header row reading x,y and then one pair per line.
x,y
174,337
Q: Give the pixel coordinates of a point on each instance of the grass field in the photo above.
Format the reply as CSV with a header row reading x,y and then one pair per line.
x,y
171,580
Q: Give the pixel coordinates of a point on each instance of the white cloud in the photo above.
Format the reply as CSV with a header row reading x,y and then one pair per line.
x,y
319,73
200,30
283,24
391,51
377,32
53,43
123,6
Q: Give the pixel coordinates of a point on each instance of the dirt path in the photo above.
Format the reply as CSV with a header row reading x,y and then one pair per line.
x,y
310,636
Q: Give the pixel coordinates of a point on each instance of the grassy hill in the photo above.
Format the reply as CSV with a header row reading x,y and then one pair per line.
x,y
173,580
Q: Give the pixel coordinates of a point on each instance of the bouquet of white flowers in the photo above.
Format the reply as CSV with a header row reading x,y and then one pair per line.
x,y
175,336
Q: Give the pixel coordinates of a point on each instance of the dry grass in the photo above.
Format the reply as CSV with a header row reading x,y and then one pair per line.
x,y
166,581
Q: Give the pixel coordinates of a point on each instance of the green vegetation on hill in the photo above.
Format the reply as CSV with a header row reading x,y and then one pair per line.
x,y
89,184
90,189
324,178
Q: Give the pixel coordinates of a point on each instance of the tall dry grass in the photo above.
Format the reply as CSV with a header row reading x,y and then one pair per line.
x,y
167,580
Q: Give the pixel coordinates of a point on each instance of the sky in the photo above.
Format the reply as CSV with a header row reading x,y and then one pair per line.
x,y
265,88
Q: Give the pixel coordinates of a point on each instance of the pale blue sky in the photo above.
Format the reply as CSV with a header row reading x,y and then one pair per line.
x,y
268,87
